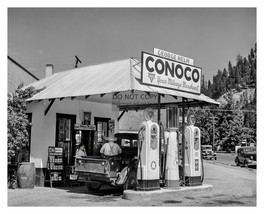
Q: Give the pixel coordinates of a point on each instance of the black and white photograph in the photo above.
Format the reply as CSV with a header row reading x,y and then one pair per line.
x,y
167,96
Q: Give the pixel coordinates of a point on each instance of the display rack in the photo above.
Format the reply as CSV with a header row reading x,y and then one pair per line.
x,y
55,167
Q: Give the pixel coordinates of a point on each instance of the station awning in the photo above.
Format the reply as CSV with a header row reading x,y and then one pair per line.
x,y
98,83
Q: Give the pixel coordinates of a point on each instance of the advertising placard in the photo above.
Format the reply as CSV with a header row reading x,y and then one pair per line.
x,y
111,125
166,73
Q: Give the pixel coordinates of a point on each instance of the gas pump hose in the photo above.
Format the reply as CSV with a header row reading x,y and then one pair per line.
x,y
187,154
202,177
163,170
139,157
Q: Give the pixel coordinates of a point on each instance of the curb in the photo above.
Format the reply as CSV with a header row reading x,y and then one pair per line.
x,y
165,193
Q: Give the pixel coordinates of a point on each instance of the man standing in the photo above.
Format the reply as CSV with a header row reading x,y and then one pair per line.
x,y
110,149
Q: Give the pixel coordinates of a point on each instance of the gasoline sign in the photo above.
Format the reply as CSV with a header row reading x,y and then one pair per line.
x,y
166,73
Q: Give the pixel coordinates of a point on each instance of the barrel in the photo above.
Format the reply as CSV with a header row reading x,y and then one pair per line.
x,y
26,175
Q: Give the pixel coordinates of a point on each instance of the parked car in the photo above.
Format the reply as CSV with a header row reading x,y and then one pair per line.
x,y
208,152
246,156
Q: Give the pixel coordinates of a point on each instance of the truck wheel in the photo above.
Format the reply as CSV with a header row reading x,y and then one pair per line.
x,y
131,182
93,186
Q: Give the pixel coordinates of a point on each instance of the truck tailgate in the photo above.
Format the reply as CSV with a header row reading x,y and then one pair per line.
x,y
91,165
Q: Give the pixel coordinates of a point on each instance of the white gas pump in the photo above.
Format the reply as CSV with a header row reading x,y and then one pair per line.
x,y
172,161
193,162
148,153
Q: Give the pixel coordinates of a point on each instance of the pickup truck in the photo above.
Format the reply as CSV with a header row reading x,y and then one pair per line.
x,y
115,171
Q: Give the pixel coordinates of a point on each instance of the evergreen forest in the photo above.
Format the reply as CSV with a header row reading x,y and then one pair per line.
x,y
234,121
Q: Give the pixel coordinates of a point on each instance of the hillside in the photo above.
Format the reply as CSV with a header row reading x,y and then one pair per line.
x,y
249,93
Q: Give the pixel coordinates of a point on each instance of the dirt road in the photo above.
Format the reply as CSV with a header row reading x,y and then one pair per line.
x,y
232,186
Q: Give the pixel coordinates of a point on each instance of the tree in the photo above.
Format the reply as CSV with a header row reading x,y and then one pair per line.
x,y
238,69
224,80
17,121
203,86
236,120
231,126
219,85
231,76
252,59
203,121
245,72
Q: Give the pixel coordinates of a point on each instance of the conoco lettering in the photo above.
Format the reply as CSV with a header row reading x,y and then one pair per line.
x,y
177,69
188,78
195,79
147,64
159,69
172,69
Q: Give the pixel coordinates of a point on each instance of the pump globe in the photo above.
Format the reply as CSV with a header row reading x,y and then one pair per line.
x,y
148,114
191,119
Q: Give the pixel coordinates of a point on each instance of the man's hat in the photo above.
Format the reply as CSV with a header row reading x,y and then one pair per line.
x,y
111,138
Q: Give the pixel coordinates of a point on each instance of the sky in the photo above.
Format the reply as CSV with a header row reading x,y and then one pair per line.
x,y
210,36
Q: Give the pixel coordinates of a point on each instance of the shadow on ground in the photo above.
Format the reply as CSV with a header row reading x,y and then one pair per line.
x,y
105,190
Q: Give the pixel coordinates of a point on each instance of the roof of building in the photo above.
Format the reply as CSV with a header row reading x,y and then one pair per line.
x,y
24,69
98,82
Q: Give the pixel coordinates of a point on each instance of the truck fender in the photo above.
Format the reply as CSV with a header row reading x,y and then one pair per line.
x,y
122,176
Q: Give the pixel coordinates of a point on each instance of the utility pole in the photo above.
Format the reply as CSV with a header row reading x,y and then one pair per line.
x,y
213,132
213,118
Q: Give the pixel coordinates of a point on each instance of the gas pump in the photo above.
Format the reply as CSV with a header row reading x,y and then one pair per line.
x,y
193,162
148,154
172,159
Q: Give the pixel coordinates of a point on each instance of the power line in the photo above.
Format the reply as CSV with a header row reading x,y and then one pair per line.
x,y
253,111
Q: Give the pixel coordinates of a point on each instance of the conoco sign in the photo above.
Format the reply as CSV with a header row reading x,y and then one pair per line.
x,y
166,73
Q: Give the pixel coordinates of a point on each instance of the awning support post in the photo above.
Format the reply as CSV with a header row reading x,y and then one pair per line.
x,y
183,141
158,108
49,106
160,161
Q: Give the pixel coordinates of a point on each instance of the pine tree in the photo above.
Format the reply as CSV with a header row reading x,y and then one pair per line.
x,y
252,59
233,125
231,76
224,80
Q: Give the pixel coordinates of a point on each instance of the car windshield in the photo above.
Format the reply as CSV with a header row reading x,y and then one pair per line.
x,y
250,150
128,143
